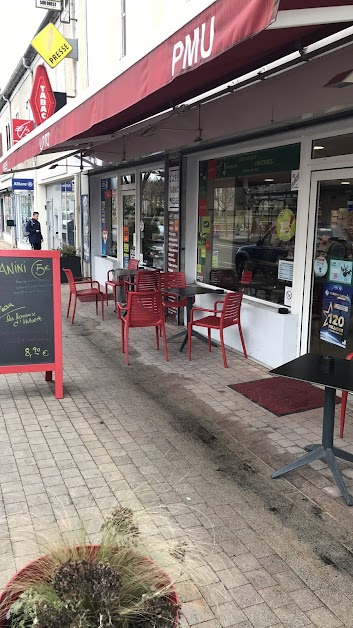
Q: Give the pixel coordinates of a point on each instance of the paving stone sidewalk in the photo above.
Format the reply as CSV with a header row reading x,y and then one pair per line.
x,y
174,434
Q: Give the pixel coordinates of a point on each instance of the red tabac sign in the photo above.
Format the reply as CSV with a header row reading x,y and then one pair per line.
x,y
21,128
42,98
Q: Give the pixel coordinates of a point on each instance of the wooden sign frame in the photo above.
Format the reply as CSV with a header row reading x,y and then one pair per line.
x,y
57,365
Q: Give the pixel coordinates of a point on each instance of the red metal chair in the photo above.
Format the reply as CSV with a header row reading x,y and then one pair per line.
x,y
172,280
143,309
219,319
133,264
344,403
86,292
143,281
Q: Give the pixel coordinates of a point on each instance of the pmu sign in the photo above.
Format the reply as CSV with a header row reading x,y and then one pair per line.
x,y
42,98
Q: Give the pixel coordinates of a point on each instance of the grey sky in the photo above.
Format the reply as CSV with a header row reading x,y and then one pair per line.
x,y
19,20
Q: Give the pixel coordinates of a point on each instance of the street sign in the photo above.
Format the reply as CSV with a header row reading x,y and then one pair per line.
x,y
51,45
42,99
21,128
50,5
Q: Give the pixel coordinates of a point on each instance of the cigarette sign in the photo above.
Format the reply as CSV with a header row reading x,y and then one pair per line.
x,y
51,45
42,99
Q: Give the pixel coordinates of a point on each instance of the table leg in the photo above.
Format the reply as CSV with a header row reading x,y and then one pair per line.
x,y
189,304
325,451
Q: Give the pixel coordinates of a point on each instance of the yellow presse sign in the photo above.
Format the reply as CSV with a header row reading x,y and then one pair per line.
x,y
51,45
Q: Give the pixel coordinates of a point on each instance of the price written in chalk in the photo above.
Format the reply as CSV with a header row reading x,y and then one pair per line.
x,y
35,351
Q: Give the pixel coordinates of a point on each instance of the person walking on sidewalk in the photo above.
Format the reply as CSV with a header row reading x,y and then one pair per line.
x,y
34,230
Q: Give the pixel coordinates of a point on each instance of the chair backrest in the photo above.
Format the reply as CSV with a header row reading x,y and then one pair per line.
x,y
171,280
144,309
133,264
246,276
224,278
231,308
146,280
70,279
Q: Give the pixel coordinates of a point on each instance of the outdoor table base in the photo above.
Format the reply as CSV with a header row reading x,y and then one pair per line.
x,y
190,292
325,450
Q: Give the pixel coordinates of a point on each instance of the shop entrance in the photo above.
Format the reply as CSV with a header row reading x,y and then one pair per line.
x,y
330,264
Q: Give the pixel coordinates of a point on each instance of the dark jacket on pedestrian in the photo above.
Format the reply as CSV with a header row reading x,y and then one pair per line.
x,y
33,228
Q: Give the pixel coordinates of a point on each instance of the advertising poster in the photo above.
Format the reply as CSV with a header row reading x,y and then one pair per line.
x,y
341,271
86,231
105,186
336,309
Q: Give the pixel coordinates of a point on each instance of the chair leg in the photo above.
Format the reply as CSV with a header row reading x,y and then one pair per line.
x,y
223,349
115,293
127,344
122,332
68,307
343,411
102,303
106,292
165,341
96,304
189,340
157,337
74,312
209,339
242,340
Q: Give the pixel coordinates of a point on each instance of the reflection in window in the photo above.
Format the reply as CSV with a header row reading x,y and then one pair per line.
x,y
152,218
247,218
25,205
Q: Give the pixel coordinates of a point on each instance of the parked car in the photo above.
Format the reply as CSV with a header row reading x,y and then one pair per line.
x,y
268,249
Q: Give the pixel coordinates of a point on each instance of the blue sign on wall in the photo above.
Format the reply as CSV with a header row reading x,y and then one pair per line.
x,y
67,186
23,184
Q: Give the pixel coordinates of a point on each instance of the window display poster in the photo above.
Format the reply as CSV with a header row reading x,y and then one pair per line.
x,y
105,189
285,270
285,225
341,271
173,189
336,309
86,231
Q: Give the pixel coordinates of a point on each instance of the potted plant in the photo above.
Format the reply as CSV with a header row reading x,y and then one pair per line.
x,y
111,584
69,259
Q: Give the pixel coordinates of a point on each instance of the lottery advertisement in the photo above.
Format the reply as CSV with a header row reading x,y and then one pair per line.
x,y
336,310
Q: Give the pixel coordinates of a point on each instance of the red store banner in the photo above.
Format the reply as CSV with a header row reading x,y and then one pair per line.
x,y
42,99
21,128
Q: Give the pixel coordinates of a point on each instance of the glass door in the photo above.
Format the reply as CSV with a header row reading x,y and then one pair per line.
x,y
330,311
129,234
152,219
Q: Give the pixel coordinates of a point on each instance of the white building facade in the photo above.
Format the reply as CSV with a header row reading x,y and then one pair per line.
x,y
256,175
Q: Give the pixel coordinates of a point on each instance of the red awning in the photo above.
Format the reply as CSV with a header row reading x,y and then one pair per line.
x,y
225,41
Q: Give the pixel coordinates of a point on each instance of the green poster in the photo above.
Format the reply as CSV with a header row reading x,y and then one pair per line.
x,y
285,225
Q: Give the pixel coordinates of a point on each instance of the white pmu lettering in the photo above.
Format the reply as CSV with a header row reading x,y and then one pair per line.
x,y
44,141
193,47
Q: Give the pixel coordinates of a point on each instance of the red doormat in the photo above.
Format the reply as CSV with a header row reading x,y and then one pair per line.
x,y
281,395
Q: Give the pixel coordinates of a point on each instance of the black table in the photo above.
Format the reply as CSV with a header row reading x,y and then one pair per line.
x,y
189,292
124,272
332,373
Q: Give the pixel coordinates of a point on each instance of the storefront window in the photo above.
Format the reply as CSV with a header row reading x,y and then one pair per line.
x,y
24,203
152,218
332,146
247,219
68,212
109,216
8,211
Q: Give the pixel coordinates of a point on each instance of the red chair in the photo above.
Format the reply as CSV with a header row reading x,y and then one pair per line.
x,y
344,403
219,319
172,280
143,281
86,292
133,264
143,309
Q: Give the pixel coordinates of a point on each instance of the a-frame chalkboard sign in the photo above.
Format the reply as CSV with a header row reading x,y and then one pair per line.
x,y
30,314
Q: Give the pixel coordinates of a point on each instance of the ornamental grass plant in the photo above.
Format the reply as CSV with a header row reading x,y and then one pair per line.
x,y
127,580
